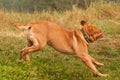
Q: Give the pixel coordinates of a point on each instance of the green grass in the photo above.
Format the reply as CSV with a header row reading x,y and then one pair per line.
x,y
49,64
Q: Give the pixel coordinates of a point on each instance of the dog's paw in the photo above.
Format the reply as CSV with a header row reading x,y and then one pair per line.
x,y
101,75
100,64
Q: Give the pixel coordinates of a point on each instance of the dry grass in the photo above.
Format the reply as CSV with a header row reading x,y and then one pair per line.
x,y
97,11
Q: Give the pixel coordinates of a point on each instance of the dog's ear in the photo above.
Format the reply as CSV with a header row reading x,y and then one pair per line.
x,y
83,23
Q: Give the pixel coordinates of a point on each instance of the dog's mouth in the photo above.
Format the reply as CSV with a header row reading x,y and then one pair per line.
x,y
92,37
100,35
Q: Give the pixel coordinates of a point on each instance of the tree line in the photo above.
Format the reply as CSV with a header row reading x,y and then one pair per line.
x,y
39,5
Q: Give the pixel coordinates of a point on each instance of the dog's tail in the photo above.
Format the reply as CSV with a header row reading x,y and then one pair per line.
x,y
22,27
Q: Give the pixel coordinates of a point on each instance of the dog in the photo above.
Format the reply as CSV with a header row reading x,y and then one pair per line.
x,y
66,41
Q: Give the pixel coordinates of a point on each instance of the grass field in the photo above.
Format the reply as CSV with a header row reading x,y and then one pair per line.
x,y
49,64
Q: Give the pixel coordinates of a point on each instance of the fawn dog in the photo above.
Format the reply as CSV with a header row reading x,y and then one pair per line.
x,y
67,41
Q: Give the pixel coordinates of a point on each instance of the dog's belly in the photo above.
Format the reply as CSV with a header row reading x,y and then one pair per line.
x,y
63,48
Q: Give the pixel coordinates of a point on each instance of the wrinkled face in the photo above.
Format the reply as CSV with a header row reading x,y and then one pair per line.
x,y
92,32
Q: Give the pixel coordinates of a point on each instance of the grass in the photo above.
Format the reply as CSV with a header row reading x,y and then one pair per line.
x,y
49,64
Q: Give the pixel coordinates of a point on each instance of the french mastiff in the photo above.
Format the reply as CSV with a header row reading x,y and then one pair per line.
x,y
66,41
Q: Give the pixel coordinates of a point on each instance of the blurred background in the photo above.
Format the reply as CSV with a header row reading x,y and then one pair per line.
x,y
39,5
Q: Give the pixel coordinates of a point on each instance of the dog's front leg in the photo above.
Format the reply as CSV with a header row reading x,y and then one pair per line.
x,y
96,62
85,57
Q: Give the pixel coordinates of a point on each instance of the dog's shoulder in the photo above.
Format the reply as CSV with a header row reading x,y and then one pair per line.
x,y
77,33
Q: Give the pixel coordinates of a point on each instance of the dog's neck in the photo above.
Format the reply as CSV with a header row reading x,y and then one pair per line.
x,y
85,36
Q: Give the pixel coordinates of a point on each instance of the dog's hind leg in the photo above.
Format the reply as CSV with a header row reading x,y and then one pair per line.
x,y
28,50
35,47
29,44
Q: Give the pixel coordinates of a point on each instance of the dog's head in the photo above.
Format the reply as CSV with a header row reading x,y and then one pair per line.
x,y
92,32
